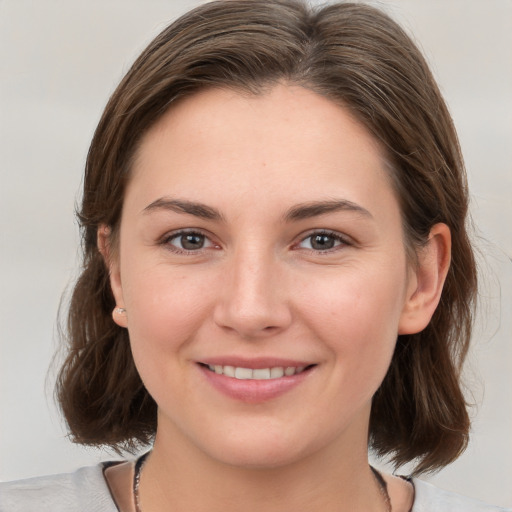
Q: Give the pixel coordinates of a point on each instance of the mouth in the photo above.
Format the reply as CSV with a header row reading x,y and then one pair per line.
x,y
255,381
270,373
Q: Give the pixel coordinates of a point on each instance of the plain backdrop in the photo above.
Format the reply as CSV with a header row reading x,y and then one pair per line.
x,y
59,62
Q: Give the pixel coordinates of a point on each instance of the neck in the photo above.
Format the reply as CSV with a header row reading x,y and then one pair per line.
x,y
333,479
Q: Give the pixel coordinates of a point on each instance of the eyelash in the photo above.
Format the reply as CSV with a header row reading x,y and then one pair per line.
x,y
339,240
166,240
337,237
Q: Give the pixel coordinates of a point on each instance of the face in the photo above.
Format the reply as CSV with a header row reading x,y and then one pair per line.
x,y
262,267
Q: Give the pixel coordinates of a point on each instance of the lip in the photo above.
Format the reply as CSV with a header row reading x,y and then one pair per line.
x,y
253,391
254,363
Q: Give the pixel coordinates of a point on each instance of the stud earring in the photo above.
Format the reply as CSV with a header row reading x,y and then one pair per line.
x,y
120,311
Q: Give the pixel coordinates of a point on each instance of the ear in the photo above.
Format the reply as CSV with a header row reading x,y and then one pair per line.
x,y
426,281
111,258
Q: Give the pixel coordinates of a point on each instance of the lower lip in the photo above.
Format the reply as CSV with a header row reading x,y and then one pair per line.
x,y
252,390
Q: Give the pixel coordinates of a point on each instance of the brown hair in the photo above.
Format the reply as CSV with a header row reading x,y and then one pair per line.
x,y
356,56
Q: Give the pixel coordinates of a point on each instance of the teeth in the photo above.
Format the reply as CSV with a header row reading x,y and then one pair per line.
x,y
263,373
276,373
243,373
256,374
229,371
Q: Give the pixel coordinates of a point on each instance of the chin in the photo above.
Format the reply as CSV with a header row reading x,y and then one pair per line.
x,y
261,450
256,458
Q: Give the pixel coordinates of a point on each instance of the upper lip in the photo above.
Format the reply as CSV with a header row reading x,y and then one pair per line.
x,y
254,363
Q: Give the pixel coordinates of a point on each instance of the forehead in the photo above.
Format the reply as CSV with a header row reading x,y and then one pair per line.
x,y
288,142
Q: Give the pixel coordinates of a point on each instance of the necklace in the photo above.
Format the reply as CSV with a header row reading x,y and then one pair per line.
x,y
139,464
383,488
136,480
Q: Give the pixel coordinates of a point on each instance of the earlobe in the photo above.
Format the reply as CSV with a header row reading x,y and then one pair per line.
x,y
104,242
427,281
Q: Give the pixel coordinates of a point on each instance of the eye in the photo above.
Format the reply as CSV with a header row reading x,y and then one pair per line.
x,y
188,241
322,241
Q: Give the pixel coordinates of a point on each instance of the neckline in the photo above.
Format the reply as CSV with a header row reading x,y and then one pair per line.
x,y
140,460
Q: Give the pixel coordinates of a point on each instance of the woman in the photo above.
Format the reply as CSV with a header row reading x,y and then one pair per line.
x,y
276,274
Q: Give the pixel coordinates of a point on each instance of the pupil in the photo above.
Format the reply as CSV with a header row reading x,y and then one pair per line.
x,y
192,241
322,242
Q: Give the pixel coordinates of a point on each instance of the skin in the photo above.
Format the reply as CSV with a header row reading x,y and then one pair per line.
x,y
259,287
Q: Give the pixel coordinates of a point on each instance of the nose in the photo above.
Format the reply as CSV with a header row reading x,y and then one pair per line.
x,y
254,301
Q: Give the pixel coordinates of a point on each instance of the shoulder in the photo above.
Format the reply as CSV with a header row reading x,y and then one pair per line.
x,y
429,498
85,490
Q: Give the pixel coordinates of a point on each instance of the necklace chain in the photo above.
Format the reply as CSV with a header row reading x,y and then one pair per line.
x,y
136,480
383,488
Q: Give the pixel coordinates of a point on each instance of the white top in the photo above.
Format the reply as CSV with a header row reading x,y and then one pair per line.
x,y
86,490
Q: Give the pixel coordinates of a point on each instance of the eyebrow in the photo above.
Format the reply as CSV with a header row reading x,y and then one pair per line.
x,y
316,208
183,206
298,212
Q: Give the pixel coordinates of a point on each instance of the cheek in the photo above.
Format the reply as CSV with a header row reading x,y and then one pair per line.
x,y
165,309
356,314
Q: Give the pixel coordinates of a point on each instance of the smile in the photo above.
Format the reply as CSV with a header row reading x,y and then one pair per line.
x,y
269,380
241,373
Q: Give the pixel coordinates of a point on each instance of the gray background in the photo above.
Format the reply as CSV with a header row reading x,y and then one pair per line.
x,y
60,60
